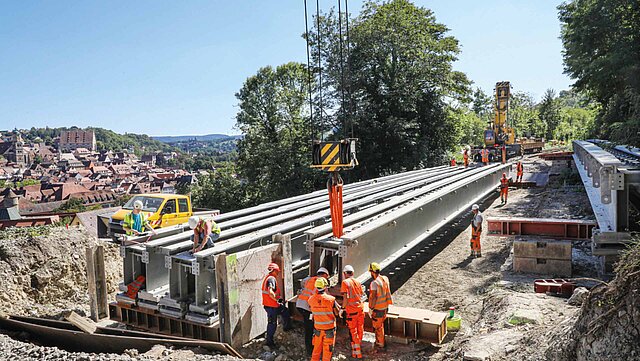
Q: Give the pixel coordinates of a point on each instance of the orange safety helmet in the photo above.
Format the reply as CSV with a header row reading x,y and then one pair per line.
x,y
273,267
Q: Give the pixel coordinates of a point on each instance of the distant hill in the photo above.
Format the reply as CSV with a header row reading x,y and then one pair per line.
x,y
202,138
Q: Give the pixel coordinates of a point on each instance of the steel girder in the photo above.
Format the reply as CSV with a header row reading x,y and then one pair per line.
x,y
390,235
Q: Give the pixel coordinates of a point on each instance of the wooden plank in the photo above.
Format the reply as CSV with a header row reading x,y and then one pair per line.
x,y
83,323
97,283
287,264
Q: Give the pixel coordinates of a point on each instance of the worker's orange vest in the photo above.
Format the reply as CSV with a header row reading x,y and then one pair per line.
x,y
354,295
465,155
453,162
321,305
383,299
519,168
309,289
504,183
266,298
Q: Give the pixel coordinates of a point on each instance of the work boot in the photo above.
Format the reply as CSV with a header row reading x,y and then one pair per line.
x,y
472,254
478,254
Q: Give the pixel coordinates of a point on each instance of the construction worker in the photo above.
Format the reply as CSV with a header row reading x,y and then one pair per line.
x,y
274,304
205,233
504,154
485,155
379,301
476,231
453,162
504,188
353,304
519,170
324,309
136,222
465,157
302,304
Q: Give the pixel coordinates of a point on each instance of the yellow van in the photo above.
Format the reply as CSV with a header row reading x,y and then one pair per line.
x,y
162,210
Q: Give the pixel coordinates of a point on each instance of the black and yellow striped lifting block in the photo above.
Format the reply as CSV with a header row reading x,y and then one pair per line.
x,y
333,156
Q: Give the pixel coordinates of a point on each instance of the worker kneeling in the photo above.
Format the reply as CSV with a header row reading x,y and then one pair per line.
x,y
353,305
379,301
504,188
205,233
324,309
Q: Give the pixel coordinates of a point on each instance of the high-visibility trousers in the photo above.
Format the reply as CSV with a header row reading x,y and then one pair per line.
x,y
355,323
519,177
475,240
466,162
377,319
323,341
504,192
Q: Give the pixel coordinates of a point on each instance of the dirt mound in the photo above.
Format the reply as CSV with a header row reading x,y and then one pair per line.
x,y
607,326
44,270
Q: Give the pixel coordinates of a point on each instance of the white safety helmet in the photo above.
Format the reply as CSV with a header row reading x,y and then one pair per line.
x,y
137,205
348,268
193,222
322,270
475,207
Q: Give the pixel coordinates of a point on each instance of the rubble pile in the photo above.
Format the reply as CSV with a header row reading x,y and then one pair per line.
x,y
606,328
44,270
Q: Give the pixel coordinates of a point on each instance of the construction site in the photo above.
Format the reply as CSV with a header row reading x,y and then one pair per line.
x,y
546,286
516,241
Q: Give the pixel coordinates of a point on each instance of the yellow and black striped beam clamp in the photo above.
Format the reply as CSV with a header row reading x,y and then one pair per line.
x,y
335,155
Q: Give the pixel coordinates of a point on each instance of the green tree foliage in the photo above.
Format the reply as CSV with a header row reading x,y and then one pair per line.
x,y
275,153
75,205
549,112
482,105
469,127
221,189
601,41
523,115
400,77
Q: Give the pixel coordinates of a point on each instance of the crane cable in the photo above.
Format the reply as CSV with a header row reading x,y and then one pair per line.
x,y
306,28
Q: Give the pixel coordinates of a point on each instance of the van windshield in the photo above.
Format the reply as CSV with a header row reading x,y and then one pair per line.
x,y
149,204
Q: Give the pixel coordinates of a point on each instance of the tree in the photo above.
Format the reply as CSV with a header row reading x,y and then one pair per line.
x,y
469,127
549,112
523,115
601,40
221,190
400,79
274,156
482,105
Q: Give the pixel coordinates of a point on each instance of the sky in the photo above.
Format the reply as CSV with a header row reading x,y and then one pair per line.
x,y
173,67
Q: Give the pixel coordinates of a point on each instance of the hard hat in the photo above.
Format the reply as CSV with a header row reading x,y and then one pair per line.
x,y
475,207
348,268
504,175
193,222
374,266
322,270
137,205
321,283
273,267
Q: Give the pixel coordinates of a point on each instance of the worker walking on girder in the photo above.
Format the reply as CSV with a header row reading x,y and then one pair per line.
x,y
324,309
476,231
353,305
379,301
274,304
302,304
520,171
504,188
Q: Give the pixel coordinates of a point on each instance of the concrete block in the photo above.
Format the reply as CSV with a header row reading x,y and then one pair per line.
x,y
554,267
542,248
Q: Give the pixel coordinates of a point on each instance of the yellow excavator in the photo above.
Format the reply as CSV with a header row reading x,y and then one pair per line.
x,y
500,133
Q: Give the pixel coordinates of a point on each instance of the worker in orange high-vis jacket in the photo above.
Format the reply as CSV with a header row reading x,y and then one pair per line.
x,y
353,305
519,170
504,188
465,157
379,301
485,155
302,304
274,304
324,309
453,162
476,231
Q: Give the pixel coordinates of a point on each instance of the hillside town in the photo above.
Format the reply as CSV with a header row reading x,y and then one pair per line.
x,y
37,179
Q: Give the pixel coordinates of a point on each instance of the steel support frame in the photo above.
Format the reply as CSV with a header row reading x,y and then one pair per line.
x,y
390,236
548,227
